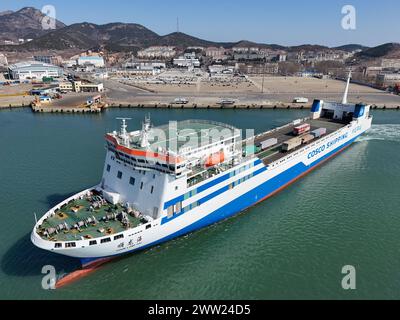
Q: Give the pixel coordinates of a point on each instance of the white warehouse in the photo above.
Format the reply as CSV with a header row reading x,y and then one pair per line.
x,y
31,70
97,61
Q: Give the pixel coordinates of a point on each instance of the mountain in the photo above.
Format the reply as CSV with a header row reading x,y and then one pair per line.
x,y
3,13
118,37
387,50
89,35
124,37
23,24
351,47
250,44
184,40
307,47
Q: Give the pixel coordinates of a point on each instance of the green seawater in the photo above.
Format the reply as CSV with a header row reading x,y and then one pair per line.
x,y
292,246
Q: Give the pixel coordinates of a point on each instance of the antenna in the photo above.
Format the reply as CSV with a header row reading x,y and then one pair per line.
x,y
124,133
146,126
346,91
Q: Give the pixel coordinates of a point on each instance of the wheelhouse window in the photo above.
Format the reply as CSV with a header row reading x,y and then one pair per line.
x,y
152,189
132,181
58,245
108,168
119,175
105,240
141,185
92,243
70,245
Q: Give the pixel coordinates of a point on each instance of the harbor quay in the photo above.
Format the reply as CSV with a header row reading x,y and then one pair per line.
x,y
80,93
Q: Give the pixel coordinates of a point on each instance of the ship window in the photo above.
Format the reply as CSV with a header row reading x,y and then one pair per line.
x,y
178,208
170,211
152,189
70,245
105,240
120,236
92,243
154,176
58,245
119,175
108,168
148,226
141,186
132,181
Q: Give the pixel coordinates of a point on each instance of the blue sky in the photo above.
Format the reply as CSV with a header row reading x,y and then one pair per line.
x,y
286,22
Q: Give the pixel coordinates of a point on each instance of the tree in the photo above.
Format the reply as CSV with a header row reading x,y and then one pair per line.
x,y
289,68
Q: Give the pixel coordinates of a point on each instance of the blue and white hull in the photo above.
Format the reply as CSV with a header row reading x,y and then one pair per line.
x,y
217,198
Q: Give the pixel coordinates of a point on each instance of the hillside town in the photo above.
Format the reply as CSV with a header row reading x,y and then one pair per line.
x,y
36,72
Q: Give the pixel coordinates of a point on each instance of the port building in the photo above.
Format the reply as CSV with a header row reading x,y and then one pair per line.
x,y
79,86
97,61
34,70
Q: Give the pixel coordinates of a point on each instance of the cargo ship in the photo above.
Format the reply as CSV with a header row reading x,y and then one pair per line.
x,y
154,190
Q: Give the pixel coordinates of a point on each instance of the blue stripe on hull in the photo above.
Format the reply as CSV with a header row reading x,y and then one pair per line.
x,y
243,202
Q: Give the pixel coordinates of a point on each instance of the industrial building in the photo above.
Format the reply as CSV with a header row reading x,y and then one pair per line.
x,y
187,60
161,52
216,53
34,70
142,68
49,59
79,86
390,63
384,80
97,61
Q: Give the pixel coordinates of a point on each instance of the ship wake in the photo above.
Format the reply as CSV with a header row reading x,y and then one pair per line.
x,y
385,132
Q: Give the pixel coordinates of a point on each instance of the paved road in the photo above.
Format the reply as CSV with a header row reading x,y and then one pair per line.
x,y
121,93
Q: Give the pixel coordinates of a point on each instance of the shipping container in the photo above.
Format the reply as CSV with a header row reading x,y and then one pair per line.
x,y
291,144
307,138
301,129
319,132
250,150
268,143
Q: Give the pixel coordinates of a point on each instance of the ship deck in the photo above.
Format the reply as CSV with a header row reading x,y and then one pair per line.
x,y
81,210
286,133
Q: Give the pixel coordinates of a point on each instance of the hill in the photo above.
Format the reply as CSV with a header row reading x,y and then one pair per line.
x,y
23,24
387,50
351,47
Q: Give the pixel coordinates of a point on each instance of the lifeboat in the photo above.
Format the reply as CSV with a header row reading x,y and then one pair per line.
x,y
215,159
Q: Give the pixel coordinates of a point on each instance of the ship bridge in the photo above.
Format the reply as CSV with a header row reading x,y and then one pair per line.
x,y
176,147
